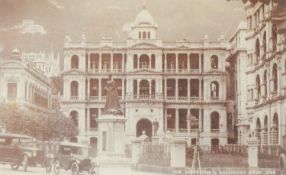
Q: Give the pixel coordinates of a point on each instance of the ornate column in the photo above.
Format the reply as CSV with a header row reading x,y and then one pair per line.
x,y
88,63
188,63
88,87
100,62
88,119
165,89
165,62
99,88
200,89
138,86
176,89
150,87
111,61
189,88
176,120
176,58
123,88
123,62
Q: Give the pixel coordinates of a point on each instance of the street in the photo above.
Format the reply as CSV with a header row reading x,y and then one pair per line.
x,y
6,170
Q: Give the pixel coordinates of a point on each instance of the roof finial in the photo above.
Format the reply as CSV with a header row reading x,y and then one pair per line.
x,y
144,4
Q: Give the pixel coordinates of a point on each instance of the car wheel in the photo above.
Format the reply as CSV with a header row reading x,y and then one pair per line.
x,y
25,162
93,170
14,166
282,166
57,167
74,168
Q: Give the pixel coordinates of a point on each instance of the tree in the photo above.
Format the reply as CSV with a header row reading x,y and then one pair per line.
x,y
41,125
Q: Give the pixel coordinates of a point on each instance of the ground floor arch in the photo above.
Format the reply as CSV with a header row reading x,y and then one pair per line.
x,y
144,125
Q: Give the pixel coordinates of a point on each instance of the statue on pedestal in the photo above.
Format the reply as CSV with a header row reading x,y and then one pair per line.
x,y
112,105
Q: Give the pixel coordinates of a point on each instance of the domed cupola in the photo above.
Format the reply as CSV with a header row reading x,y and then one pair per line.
x,y
15,54
144,18
144,26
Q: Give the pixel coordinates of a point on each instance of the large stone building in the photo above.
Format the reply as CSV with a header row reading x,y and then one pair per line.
x,y
161,84
46,62
260,72
24,85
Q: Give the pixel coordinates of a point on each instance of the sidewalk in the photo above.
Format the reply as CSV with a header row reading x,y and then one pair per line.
x,y
122,171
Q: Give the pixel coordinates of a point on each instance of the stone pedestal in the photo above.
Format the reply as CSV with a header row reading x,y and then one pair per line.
x,y
136,143
111,138
178,156
253,144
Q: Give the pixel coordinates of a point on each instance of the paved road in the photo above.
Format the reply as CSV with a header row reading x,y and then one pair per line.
x,y
5,170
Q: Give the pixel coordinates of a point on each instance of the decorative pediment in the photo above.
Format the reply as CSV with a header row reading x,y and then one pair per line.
x,y
183,47
145,45
144,71
73,72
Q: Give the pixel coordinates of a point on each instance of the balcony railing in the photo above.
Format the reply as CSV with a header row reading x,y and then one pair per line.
x,y
184,70
215,130
74,98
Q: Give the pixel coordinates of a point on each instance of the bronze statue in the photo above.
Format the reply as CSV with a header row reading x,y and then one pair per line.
x,y
112,105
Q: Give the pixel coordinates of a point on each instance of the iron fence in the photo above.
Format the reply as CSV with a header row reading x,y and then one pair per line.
x,y
155,154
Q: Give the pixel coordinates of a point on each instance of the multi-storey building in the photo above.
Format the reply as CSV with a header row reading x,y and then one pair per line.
x,y
23,85
47,63
264,77
159,83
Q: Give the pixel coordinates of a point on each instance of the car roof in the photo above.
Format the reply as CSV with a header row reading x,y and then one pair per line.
x,y
14,136
72,144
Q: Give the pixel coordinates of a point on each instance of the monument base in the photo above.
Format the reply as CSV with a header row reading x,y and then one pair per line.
x,y
111,139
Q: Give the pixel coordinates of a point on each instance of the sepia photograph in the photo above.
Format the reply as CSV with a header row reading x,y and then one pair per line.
x,y
142,87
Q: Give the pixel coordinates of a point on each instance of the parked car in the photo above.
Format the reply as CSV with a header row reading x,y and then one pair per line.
x,y
18,150
74,157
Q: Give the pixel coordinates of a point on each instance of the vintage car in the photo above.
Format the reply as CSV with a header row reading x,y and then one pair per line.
x,y
19,150
74,157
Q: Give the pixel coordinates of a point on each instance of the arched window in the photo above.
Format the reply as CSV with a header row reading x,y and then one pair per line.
x,y
214,89
274,77
144,87
257,49
144,61
264,43
74,117
74,62
214,62
74,89
258,86
214,121
265,82
274,37
144,35
149,35
139,35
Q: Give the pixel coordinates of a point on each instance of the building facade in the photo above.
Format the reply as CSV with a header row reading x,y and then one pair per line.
x,y
24,85
162,85
263,114
46,62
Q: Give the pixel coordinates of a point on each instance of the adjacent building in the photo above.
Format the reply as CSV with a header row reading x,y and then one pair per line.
x,y
48,63
161,85
23,85
261,71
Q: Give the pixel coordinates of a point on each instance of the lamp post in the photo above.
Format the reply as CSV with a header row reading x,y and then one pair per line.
x,y
196,164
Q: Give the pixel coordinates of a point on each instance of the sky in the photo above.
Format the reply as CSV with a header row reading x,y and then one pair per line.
x,y
33,25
